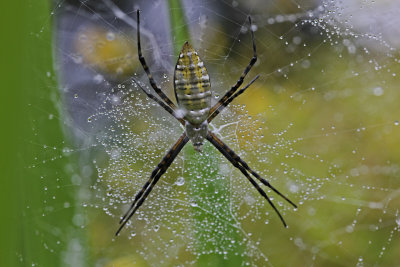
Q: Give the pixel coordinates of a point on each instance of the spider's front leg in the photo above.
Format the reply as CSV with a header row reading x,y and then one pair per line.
x,y
241,78
154,177
244,168
229,100
162,104
147,70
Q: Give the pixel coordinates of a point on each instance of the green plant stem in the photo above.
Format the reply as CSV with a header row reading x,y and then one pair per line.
x,y
35,224
217,241
179,28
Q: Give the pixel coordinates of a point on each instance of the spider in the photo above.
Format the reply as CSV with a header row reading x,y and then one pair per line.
x,y
192,92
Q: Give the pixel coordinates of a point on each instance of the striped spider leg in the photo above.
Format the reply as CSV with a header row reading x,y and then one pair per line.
x,y
192,91
229,154
239,82
167,160
154,177
162,104
147,70
229,100
236,161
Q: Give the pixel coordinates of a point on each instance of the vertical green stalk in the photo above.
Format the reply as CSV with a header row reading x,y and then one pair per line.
x,y
34,188
179,27
217,241
10,115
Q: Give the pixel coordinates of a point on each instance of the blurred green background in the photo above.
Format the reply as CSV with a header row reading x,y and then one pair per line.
x,y
33,171
341,154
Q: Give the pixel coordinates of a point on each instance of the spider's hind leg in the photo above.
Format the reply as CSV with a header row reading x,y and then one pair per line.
x,y
244,168
155,176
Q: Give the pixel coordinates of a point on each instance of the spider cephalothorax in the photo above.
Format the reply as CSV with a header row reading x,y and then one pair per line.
x,y
197,134
193,95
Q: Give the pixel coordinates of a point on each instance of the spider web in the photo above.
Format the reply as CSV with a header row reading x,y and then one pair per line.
x,y
321,124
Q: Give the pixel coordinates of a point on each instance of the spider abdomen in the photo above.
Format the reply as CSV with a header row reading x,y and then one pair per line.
x,y
192,86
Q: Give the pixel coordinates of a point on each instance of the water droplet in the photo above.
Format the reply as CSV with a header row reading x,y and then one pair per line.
x,y
349,229
98,78
293,188
110,36
180,181
378,91
77,59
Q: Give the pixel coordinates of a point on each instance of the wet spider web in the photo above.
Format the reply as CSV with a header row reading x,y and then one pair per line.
x,y
321,124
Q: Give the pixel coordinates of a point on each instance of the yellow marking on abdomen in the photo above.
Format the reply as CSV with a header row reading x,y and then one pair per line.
x,y
192,85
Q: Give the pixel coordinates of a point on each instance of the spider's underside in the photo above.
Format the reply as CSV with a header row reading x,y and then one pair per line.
x,y
192,91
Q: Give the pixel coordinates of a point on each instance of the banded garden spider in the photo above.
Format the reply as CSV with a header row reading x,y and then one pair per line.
x,y
194,112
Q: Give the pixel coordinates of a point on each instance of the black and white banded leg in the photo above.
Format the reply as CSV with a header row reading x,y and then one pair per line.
x,y
229,100
153,84
162,104
244,168
241,78
154,177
